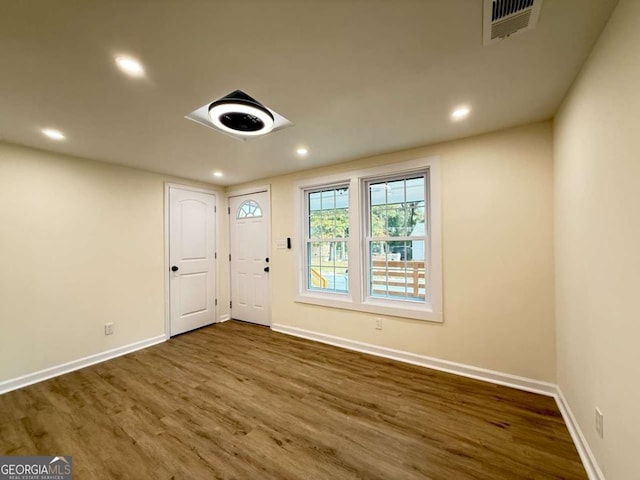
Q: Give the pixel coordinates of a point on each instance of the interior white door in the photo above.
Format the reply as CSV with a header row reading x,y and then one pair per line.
x,y
192,284
249,232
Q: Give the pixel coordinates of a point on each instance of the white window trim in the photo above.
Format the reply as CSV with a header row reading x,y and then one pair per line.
x,y
305,273
357,298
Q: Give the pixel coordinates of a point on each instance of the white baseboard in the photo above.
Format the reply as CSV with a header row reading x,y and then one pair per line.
x,y
477,373
47,373
586,455
224,318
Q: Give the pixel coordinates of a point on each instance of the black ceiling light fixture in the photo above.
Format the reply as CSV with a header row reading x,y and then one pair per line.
x,y
240,114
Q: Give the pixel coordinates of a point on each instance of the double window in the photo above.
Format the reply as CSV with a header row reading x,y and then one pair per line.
x,y
371,241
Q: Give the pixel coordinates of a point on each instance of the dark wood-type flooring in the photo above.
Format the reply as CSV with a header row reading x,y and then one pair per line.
x,y
239,401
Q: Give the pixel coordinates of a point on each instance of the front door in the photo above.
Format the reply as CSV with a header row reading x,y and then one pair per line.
x,y
192,276
249,232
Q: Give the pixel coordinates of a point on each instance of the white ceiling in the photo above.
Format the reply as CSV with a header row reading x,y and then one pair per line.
x,y
356,78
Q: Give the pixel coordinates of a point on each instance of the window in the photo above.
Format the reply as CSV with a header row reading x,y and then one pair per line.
x,y
327,235
395,238
249,209
370,240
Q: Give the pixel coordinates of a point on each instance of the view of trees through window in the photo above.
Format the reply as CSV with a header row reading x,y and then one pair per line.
x,y
396,238
327,239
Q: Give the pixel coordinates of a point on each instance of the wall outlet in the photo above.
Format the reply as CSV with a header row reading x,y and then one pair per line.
x,y
378,323
599,423
108,328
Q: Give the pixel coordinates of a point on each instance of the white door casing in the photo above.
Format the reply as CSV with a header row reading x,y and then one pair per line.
x,y
192,263
249,217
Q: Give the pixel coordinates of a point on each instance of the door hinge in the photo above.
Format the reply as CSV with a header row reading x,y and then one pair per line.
x,y
229,257
215,209
229,210
215,255
216,302
230,304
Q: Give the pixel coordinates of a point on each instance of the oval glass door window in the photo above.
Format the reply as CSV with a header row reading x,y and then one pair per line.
x,y
249,209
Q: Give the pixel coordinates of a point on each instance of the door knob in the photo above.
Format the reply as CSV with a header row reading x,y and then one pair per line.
x,y
266,269
174,269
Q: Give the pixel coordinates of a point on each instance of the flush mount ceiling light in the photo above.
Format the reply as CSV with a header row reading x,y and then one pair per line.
x,y
460,113
240,114
130,66
302,151
217,173
53,134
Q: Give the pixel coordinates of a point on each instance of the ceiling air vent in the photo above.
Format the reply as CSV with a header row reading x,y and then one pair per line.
x,y
240,116
506,17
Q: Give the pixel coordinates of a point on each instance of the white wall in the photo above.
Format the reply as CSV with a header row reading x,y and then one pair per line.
x,y
82,244
597,239
497,257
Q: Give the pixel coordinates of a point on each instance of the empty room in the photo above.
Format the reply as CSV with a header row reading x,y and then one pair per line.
x,y
319,239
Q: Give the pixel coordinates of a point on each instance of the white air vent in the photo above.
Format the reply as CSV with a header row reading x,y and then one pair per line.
x,y
239,116
506,17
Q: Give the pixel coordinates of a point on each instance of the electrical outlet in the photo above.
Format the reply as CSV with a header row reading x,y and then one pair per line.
x,y
108,328
599,423
378,323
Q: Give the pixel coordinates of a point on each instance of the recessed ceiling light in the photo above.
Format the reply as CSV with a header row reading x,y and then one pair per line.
x,y
217,173
53,133
130,66
242,115
460,113
302,151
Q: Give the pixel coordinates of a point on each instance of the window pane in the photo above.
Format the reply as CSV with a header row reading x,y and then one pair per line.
x,y
328,223
416,225
378,193
395,220
415,189
315,224
342,198
328,199
329,213
341,217
314,253
393,273
248,209
395,192
396,207
328,266
314,201
378,221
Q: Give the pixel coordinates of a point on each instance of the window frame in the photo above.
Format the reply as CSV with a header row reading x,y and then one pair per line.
x,y
366,227
308,240
357,297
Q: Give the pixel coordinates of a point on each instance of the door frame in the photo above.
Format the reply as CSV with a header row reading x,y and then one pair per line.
x,y
167,263
238,193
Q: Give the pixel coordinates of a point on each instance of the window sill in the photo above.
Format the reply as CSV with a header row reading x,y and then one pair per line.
x,y
346,303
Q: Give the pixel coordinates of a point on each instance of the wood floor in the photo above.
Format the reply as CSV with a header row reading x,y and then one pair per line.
x,y
237,401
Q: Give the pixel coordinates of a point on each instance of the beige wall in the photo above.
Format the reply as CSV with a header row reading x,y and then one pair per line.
x,y
497,258
82,244
597,174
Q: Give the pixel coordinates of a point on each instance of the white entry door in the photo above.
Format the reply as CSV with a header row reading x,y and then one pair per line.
x,y
249,229
192,234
